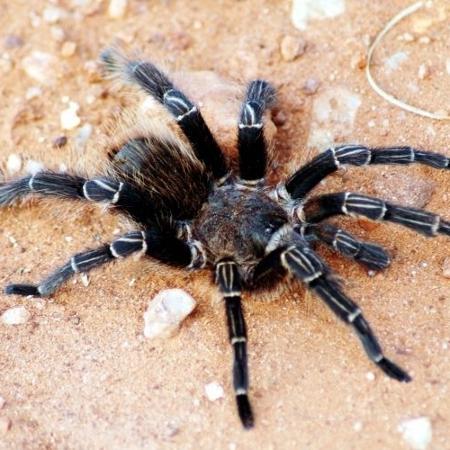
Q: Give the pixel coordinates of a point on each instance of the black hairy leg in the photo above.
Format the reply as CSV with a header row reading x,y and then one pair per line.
x,y
117,194
305,265
157,84
369,255
329,161
352,204
152,242
228,280
252,145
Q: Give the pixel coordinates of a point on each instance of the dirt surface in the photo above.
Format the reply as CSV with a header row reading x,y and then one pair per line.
x,y
80,375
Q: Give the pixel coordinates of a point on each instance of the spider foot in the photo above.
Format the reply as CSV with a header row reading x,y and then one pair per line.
x,y
22,289
245,411
373,257
394,371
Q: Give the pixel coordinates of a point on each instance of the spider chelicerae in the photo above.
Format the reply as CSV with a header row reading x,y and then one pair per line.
x,y
191,211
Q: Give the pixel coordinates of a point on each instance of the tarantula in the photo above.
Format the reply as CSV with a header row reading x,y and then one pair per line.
x,y
190,211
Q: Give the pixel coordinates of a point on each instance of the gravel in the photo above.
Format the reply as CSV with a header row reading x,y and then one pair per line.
x,y
14,163
214,391
417,432
15,316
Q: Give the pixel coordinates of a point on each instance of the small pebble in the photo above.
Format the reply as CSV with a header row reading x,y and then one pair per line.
x,y
292,47
12,41
406,37
214,391
84,280
417,432
68,49
93,71
57,33
446,268
166,311
69,118
33,167
6,65
39,66
280,118
2,402
83,136
117,8
357,426
15,316
311,86
33,92
424,40
52,14
59,142
447,66
423,72
5,425
358,61
370,376
14,163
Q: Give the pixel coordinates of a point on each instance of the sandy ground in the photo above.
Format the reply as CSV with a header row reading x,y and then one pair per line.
x,y
80,375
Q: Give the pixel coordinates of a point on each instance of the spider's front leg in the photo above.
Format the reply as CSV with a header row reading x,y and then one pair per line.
x,y
117,194
228,280
153,242
299,260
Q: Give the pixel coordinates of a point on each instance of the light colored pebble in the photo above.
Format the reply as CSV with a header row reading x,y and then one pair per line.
x,y
53,14
446,268
423,72
5,425
14,163
394,61
311,86
166,311
416,432
6,65
57,33
68,49
117,8
2,402
214,391
33,167
292,47
447,66
15,316
83,136
358,61
39,66
406,37
370,376
69,118
84,279
33,92
425,40
358,426
305,10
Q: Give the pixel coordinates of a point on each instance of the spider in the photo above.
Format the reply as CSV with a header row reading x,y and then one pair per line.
x,y
189,210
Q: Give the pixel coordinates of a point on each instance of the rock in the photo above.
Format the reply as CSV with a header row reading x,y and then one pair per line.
x,y
333,115
446,268
69,118
59,141
214,391
311,86
58,34
305,10
15,316
33,167
12,41
53,14
2,402
68,49
33,92
14,163
417,432
39,66
83,136
292,47
166,311
5,425
117,8
393,62
405,189
447,66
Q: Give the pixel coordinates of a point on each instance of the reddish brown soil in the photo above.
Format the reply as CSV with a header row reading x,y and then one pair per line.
x,y
80,375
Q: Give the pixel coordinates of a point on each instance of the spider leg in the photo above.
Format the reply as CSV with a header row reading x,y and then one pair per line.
x,y
301,261
156,83
370,255
152,242
108,191
228,280
329,161
252,145
352,204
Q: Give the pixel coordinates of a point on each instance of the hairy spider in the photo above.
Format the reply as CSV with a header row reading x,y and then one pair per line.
x,y
190,211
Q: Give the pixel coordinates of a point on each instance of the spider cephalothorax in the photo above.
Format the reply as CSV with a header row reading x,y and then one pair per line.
x,y
190,211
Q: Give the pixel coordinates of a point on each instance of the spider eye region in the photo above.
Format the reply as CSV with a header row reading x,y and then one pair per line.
x,y
238,224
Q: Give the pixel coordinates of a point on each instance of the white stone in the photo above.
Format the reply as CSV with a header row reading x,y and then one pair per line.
x,y
117,8
2,402
417,432
393,62
15,316
333,115
52,14
14,163
33,92
33,167
83,135
447,66
69,118
166,311
214,391
39,66
305,10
